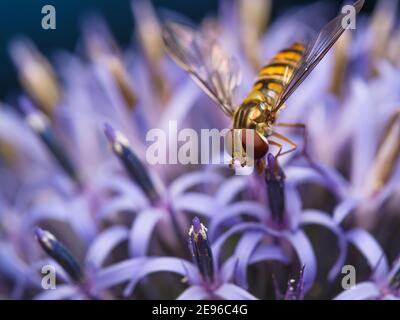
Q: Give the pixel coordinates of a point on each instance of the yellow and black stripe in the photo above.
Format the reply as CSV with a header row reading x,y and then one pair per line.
x,y
274,76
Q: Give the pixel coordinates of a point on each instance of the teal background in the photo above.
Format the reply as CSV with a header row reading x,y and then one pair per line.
x,y
24,17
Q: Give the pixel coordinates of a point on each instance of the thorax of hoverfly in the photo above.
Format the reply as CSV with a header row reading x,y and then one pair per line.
x,y
255,114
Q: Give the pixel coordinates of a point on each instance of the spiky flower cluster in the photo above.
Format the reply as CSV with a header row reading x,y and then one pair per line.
x,y
74,175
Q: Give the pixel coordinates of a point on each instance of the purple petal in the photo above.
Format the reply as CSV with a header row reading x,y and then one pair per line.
x,y
104,243
298,175
365,135
394,270
248,226
267,253
194,202
362,291
322,219
194,293
163,264
371,250
248,208
305,253
142,230
50,210
293,206
190,180
230,189
320,174
116,274
62,292
122,203
180,104
344,208
229,291
227,270
11,264
83,222
243,252
123,186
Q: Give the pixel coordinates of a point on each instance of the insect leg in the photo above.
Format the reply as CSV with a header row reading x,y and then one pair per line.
x,y
282,137
301,126
274,143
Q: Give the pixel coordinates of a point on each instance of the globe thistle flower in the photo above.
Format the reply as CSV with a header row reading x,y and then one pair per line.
x,y
206,278
119,220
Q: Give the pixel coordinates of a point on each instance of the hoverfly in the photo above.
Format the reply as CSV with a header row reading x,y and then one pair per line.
x,y
218,75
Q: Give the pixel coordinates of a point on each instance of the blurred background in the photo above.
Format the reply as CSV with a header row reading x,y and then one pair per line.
x,y
24,17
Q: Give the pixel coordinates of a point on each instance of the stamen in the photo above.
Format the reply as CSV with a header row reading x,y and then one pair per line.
x,y
36,75
104,51
200,249
254,16
275,180
41,125
135,168
386,158
59,253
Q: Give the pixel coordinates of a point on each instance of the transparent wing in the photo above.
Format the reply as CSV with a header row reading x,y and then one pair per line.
x,y
314,53
203,58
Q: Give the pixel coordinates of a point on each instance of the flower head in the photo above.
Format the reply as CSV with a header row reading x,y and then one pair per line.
x,y
59,253
200,249
134,167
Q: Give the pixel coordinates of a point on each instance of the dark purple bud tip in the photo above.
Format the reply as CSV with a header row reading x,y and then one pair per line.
x,y
196,225
275,181
271,161
201,250
133,165
110,133
56,250
41,234
273,170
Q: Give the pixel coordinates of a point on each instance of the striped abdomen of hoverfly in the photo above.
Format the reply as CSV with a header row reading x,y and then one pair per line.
x,y
256,111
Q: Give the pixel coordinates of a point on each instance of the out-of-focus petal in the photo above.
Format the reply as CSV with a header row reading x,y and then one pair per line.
x,y
116,273
104,243
194,293
371,250
306,255
230,189
62,292
243,252
142,230
365,134
247,226
344,208
248,208
163,264
269,252
190,180
195,202
362,291
230,291
322,219
180,104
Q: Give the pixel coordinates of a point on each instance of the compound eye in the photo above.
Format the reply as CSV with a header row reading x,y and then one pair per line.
x,y
252,139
